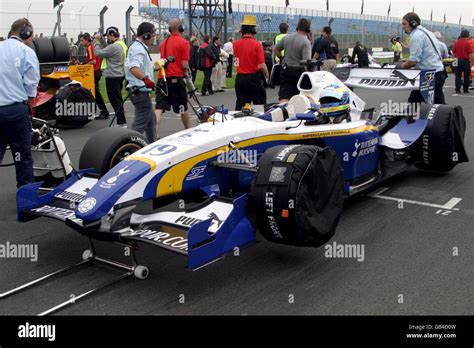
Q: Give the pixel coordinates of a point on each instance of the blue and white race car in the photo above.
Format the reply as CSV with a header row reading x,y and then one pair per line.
x,y
205,191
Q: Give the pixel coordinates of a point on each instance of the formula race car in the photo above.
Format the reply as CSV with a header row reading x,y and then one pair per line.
x,y
284,172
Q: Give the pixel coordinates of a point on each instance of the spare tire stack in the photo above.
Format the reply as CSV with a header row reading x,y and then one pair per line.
x,y
297,195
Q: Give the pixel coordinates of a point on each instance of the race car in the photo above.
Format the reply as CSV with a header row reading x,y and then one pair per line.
x,y
284,172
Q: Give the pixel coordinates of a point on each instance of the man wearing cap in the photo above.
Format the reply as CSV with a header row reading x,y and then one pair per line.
x,y
250,60
139,74
114,62
462,50
297,48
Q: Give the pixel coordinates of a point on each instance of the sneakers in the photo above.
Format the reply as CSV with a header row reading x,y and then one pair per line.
x,y
102,117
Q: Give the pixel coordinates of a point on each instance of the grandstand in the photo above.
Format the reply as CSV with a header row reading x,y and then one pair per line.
x,y
373,31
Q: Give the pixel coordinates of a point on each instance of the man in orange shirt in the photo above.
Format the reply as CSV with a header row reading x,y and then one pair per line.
x,y
86,41
250,60
175,86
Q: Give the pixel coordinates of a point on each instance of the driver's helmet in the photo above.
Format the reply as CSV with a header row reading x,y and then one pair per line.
x,y
334,101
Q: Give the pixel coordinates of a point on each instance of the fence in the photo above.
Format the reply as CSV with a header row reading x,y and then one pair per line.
x,y
373,31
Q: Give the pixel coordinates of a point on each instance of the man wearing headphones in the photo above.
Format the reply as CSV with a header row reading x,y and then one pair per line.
x,y
297,47
19,78
114,61
86,42
139,74
172,92
424,54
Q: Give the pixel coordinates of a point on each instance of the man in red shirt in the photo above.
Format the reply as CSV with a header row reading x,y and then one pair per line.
x,y
172,92
86,41
250,60
462,50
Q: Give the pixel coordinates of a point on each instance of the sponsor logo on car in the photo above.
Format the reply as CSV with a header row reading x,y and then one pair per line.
x,y
195,173
87,205
110,182
365,148
164,238
58,213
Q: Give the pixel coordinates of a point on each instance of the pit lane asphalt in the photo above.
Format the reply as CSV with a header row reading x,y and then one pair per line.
x,y
408,252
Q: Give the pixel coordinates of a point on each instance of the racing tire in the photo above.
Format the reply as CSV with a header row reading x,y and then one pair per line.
x,y
78,95
441,146
297,195
109,146
44,49
62,52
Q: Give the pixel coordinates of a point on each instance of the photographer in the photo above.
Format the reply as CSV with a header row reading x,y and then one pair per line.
x,y
139,74
424,54
114,64
172,93
18,89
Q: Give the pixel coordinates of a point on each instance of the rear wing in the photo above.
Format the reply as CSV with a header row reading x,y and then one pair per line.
x,y
390,80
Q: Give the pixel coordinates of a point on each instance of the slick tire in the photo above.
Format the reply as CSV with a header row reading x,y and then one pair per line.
x,y
297,195
109,146
62,52
44,50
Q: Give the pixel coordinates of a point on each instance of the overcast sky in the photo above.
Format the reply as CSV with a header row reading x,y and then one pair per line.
x,y
82,14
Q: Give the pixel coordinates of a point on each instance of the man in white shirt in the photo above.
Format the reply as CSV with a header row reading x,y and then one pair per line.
x,y
229,49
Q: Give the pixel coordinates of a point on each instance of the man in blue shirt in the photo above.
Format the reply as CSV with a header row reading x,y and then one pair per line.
x,y
19,78
424,54
139,73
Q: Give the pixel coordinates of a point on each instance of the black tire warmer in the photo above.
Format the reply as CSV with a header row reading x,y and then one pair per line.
x,y
297,195
441,145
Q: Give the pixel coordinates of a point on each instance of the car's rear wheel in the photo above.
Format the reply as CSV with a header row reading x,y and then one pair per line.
x,y
109,146
297,195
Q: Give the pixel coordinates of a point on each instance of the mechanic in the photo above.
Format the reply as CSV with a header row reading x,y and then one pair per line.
x,y
360,51
172,92
18,82
330,46
397,49
283,27
462,50
86,42
139,74
114,64
249,60
424,54
297,48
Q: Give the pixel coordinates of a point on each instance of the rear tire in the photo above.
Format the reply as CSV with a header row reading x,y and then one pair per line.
x,y
108,147
44,50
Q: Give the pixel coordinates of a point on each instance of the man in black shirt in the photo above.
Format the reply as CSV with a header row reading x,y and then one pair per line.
x,y
329,46
360,51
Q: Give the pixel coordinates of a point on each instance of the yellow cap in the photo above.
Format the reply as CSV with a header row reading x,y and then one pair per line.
x,y
250,20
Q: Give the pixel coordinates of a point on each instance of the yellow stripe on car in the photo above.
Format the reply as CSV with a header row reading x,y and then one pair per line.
x,y
172,180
